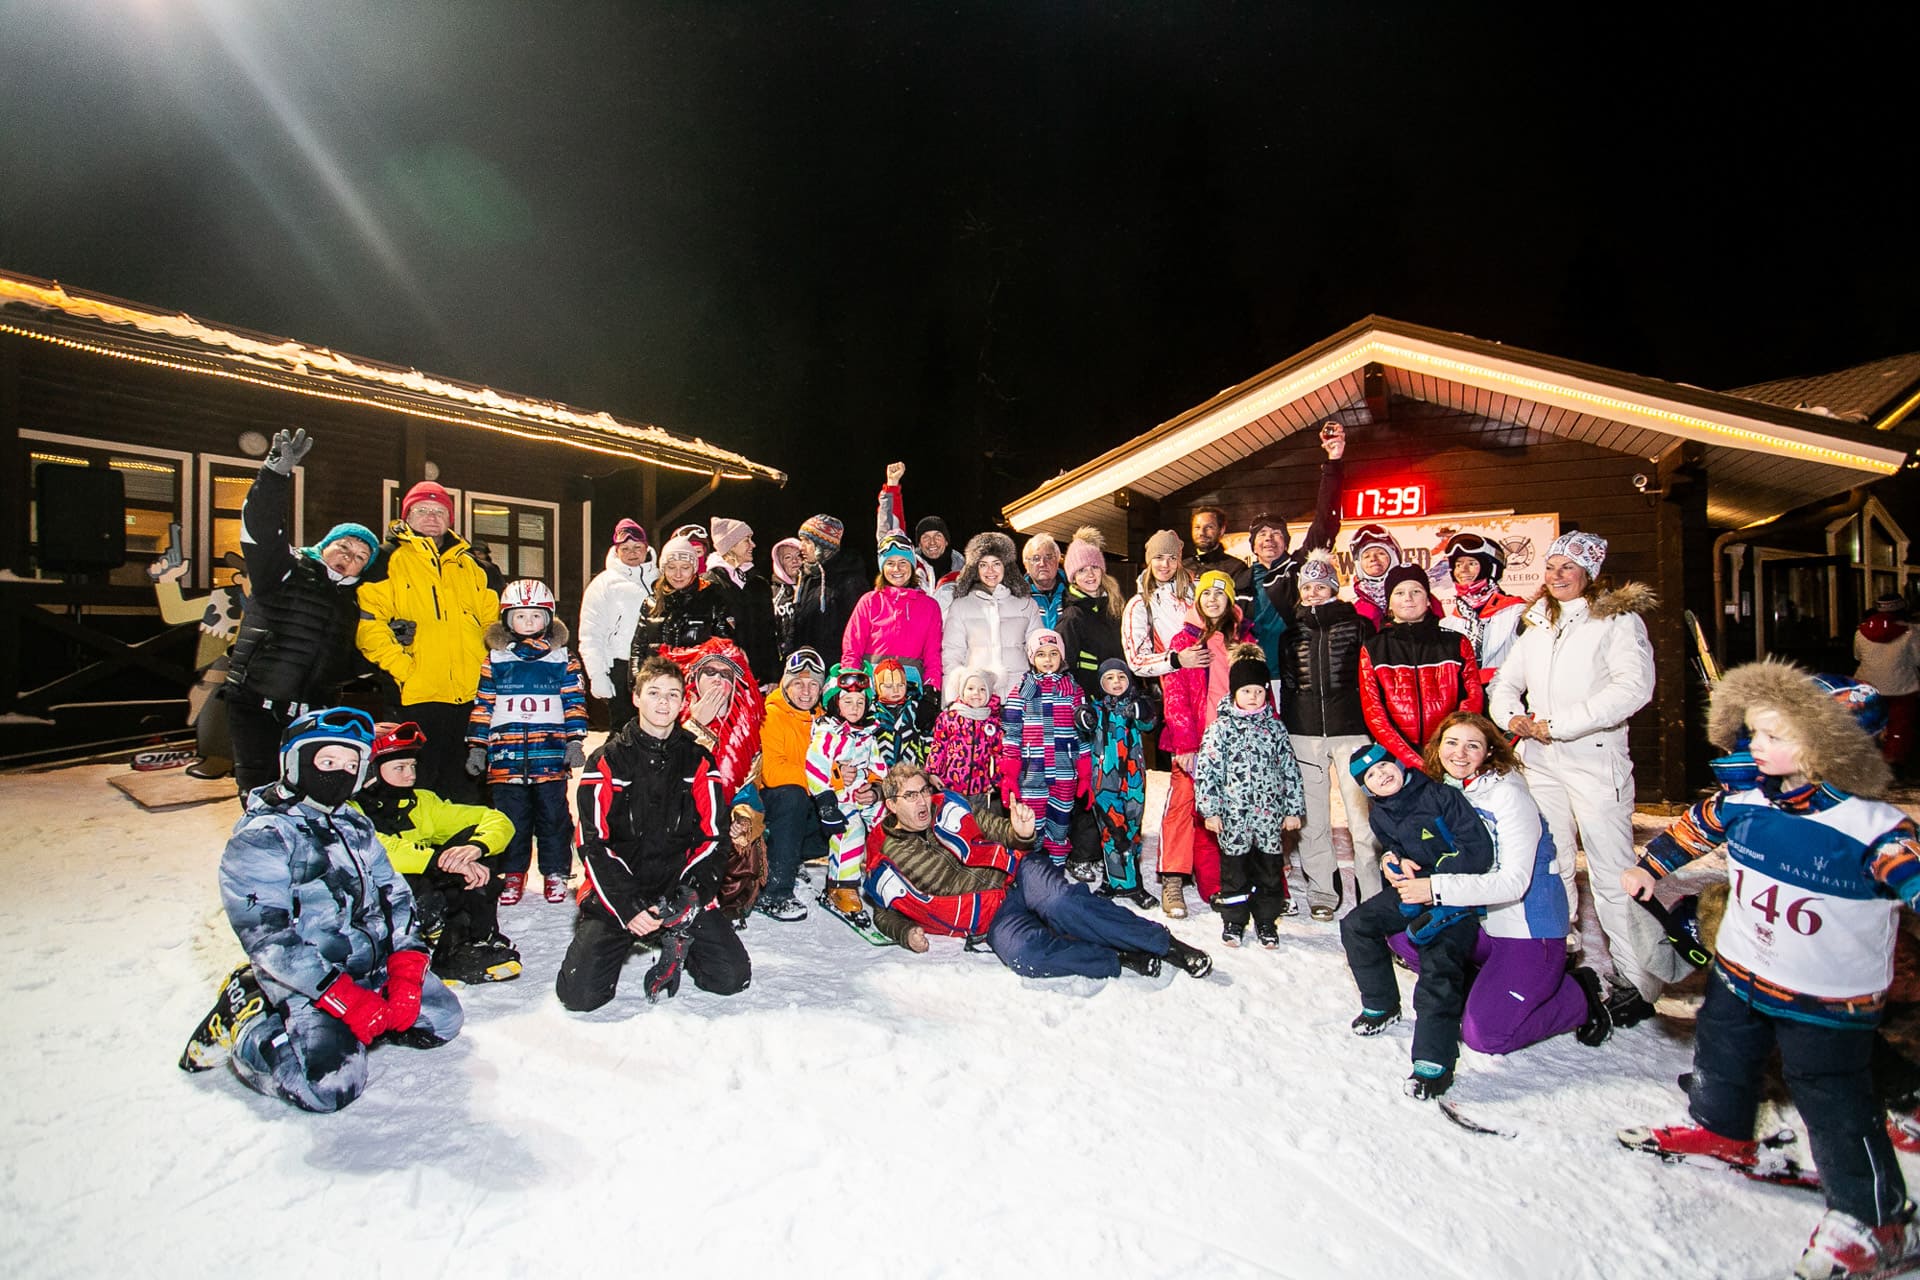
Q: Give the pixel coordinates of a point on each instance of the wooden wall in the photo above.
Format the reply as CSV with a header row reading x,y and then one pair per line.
x,y
356,447
1471,464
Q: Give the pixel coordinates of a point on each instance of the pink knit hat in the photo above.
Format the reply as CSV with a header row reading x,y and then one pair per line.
x,y
1043,635
1086,550
727,533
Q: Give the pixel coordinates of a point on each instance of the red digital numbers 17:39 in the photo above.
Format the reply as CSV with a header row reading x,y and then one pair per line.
x,y
1392,502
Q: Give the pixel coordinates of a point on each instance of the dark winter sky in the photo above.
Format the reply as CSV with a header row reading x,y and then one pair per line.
x,y
826,236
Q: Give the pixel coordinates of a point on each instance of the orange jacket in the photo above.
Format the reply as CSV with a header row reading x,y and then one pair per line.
x,y
784,736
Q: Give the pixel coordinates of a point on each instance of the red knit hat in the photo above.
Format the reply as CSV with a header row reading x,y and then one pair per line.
x,y
426,491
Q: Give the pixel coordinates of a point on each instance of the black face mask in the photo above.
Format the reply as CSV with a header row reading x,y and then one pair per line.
x,y
386,804
328,788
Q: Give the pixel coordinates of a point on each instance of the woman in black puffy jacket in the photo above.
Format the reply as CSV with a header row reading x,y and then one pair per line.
x,y
1320,678
687,609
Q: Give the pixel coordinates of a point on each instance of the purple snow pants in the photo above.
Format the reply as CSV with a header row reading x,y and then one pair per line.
x,y
1520,992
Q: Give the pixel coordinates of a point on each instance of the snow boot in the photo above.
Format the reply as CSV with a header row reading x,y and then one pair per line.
x,y
1627,1007
1173,897
1144,963
1135,896
1084,872
1842,1246
845,898
1428,1081
555,889
240,1001
1269,934
1599,1024
1372,1023
1196,962
1289,906
1323,915
1233,934
782,907
491,959
512,885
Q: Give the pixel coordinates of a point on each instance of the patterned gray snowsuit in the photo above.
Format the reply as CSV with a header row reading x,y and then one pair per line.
x,y
311,896
1245,775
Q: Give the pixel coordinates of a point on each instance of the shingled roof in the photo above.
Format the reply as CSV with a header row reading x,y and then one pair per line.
x,y
1864,393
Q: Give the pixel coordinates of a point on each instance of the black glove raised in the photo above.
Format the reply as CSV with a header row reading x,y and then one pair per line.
x,y
927,710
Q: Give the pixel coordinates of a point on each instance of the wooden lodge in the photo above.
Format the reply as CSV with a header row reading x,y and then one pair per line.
x,y
182,411
1770,513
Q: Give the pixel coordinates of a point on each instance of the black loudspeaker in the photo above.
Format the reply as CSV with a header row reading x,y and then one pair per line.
x,y
83,518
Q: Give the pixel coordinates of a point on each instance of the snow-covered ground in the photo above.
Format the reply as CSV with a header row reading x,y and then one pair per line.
x,y
857,1112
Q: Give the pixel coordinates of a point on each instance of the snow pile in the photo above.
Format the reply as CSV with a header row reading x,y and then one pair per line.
x,y
857,1112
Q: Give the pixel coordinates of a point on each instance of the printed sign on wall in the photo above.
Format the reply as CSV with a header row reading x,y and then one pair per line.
x,y
1525,538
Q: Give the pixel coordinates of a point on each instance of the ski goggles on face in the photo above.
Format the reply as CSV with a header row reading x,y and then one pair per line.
x,y
806,661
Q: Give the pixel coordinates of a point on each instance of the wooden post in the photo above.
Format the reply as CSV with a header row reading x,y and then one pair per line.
x,y
14,470
1673,684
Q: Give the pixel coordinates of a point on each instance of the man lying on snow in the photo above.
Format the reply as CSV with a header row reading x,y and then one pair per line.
x,y
333,958
934,865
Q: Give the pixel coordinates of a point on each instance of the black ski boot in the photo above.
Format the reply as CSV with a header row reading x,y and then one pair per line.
x,y
1369,1023
1599,1024
1269,934
1196,962
1233,934
1428,1085
239,1002
1627,1007
1144,963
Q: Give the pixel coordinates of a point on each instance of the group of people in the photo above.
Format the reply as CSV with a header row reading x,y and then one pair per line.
x,y
962,741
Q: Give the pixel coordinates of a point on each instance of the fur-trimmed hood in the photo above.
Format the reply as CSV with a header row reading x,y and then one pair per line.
x,y
1834,748
999,546
1632,598
498,637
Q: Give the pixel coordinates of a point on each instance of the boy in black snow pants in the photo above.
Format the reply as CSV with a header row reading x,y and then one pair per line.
x,y
653,834
1420,824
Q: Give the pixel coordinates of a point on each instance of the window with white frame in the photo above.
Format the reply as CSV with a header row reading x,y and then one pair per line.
x,y
156,484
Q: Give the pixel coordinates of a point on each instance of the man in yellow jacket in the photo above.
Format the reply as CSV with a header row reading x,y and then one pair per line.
x,y
422,621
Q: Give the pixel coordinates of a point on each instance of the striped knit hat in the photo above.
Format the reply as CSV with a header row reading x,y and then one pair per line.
x,y
824,532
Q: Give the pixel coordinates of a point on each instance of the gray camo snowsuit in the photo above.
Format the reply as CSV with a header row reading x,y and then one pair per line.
x,y
311,896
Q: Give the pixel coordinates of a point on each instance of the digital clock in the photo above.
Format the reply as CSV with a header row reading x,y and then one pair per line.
x,y
1389,502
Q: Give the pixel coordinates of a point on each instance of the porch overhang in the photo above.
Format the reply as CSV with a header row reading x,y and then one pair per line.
x,y
1759,459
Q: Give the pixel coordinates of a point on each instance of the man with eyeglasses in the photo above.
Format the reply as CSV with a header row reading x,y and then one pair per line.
x,y
793,824
938,866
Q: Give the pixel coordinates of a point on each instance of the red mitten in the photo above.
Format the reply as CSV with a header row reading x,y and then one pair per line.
x,y
1083,775
364,1012
404,971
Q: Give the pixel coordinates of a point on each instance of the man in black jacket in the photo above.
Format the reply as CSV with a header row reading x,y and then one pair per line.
x,y
295,645
653,835
1265,589
1320,704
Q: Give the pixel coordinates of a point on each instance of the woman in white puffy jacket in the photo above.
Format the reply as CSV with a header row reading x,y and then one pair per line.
x,y
992,613
1154,617
1579,670
612,603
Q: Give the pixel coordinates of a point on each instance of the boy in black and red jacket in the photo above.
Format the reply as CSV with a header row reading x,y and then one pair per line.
x,y
653,835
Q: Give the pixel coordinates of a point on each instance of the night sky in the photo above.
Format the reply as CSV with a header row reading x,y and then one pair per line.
x,y
992,240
